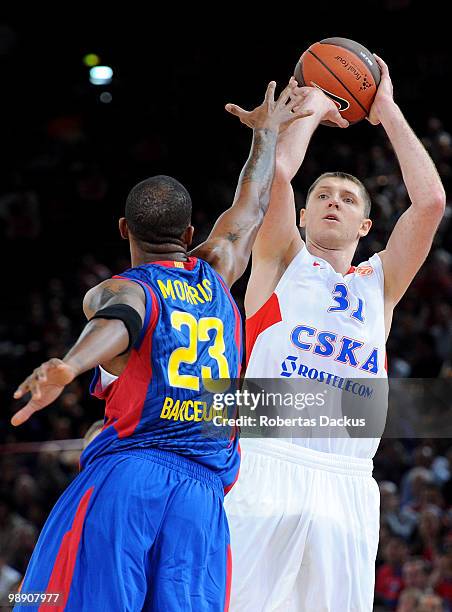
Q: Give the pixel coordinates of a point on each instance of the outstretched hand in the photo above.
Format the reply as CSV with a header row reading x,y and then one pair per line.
x,y
323,106
272,114
45,384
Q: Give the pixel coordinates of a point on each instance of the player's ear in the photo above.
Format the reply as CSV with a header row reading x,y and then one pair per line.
x,y
302,222
123,228
364,229
187,236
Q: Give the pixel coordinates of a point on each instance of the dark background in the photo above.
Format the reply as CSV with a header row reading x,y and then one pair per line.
x,y
68,161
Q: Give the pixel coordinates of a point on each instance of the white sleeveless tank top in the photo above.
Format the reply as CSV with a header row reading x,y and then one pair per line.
x,y
321,326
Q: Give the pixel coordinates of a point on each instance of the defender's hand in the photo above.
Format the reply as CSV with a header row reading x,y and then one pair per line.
x,y
384,95
323,106
270,114
45,385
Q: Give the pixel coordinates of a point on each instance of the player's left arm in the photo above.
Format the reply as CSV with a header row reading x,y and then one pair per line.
x,y
412,237
116,310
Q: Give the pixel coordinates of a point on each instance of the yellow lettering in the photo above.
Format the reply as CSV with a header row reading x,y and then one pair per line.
x,y
167,290
179,289
198,412
187,416
207,412
195,296
174,414
206,283
201,289
190,410
166,408
187,293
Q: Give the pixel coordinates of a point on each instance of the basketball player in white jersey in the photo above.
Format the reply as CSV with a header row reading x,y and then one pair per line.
x,y
304,514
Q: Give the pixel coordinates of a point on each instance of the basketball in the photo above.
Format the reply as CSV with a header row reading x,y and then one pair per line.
x,y
345,70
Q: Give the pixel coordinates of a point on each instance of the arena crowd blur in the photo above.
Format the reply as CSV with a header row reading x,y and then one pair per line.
x,y
72,149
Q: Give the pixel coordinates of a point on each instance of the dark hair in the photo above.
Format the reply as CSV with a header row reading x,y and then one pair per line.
x,y
158,209
349,177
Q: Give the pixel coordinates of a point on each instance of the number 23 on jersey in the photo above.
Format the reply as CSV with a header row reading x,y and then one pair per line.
x,y
199,331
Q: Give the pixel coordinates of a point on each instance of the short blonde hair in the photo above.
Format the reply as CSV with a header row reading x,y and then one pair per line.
x,y
349,177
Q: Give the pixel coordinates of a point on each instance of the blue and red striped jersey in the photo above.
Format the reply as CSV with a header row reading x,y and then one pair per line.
x,y
191,337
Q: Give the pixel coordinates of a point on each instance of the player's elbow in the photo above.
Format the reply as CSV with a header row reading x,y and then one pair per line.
x,y
433,207
240,267
232,269
438,203
282,172
264,201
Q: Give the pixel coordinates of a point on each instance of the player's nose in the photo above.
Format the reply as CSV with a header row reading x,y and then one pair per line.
x,y
333,203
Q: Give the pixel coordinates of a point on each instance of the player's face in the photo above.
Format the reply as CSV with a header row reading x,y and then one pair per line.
x,y
334,215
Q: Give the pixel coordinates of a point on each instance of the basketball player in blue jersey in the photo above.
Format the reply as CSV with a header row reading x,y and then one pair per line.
x,y
143,527
304,517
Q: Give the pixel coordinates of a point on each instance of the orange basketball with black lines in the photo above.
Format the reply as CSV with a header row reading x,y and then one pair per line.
x,y
345,70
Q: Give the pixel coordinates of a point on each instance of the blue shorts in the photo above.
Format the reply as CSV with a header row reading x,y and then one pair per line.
x,y
136,530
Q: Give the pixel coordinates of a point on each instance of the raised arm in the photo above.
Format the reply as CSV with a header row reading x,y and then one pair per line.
x,y
279,235
412,236
120,306
279,240
228,247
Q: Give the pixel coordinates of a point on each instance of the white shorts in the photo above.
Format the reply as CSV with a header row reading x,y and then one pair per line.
x,y
304,530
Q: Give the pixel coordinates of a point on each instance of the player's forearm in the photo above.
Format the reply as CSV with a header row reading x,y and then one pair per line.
x,y
419,173
100,341
279,226
258,170
293,143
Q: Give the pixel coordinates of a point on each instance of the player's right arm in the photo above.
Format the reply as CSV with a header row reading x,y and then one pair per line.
x,y
102,340
279,240
228,247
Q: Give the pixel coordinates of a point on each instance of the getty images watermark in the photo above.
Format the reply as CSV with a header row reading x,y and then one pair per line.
x,y
300,407
272,403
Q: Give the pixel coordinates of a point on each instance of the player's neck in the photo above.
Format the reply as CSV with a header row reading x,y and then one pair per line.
x,y
157,252
339,259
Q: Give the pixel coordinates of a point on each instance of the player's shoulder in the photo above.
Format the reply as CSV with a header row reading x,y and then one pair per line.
x,y
107,289
115,284
371,267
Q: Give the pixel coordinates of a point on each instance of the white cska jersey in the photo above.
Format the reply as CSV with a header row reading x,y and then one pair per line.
x,y
328,330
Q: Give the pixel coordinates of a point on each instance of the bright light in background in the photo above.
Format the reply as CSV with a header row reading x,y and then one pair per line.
x,y
106,97
100,75
91,59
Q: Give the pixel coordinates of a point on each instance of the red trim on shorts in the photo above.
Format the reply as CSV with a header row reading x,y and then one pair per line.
x,y
228,578
268,314
386,361
63,569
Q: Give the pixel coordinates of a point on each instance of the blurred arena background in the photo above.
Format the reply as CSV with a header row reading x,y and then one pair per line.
x,y
72,149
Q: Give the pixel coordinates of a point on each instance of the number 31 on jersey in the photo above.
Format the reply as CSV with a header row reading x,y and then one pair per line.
x,y
340,296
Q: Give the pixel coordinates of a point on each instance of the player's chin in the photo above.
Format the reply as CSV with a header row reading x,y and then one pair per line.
x,y
332,228
332,237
